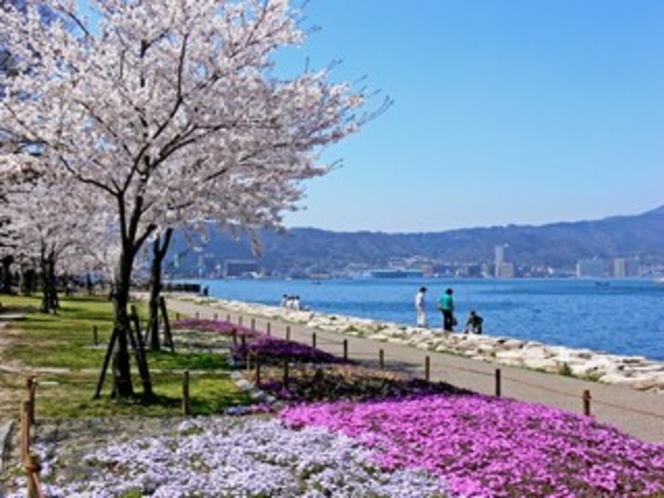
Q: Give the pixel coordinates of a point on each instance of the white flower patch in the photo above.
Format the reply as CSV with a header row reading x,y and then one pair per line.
x,y
230,457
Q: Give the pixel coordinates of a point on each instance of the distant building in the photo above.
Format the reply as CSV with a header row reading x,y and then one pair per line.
x,y
502,264
241,268
591,267
626,267
396,273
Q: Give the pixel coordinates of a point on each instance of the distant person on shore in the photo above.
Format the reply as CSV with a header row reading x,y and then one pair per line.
x,y
446,306
285,301
419,307
474,323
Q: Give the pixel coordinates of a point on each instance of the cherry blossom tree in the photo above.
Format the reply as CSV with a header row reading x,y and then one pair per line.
x,y
53,226
172,111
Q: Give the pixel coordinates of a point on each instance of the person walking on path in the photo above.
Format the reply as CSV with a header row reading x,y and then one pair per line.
x,y
419,307
446,306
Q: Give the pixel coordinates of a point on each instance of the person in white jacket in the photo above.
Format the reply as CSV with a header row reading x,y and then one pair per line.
x,y
420,308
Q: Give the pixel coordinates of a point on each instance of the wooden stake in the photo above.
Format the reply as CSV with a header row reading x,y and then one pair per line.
x,y
25,430
32,388
586,403
286,374
186,402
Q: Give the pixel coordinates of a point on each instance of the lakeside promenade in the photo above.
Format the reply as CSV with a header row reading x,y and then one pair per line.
x,y
639,414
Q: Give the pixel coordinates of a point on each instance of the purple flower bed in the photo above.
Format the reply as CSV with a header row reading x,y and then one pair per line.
x,y
493,447
479,446
272,350
217,326
347,382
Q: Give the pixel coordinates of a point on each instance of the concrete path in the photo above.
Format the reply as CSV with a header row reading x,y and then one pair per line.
x,y
636,413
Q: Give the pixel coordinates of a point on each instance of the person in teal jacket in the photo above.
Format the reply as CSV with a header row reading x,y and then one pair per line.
x,y
446,306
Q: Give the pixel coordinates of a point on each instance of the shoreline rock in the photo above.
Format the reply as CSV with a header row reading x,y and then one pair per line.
x,y
634,371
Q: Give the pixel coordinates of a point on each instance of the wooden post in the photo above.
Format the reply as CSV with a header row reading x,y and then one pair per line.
x,y
186,402
32,388
253,324
319,375
239,319
586,403
427,369
25,430
107,359
498,386
234,336
95,335
285,374
228,318
34,485
197,315
258,371
381,359
177,315
345,349
313,339
215,317
269,328
168,336
288,332
135,319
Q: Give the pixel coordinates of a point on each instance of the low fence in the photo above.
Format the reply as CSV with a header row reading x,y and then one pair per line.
x,y
379,361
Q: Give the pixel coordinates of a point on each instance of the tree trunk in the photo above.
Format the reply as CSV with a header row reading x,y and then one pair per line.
x,y
49,291
159,251
7,274
122,385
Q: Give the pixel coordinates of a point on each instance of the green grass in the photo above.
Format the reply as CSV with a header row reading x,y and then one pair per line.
x,y
64,343
71,396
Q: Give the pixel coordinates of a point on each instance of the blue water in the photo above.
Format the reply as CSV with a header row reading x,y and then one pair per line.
x,y
623,317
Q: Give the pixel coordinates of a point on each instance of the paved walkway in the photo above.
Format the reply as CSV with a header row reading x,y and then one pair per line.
x,y
637,413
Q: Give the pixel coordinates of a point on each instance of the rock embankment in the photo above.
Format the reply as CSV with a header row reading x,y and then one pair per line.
x,y
634,371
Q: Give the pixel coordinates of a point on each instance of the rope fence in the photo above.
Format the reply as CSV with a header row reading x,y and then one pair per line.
x,y
379,358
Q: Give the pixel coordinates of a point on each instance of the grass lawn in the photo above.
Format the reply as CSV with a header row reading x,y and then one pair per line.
x,y
60,351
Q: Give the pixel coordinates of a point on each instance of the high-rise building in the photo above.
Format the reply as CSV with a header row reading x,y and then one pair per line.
x,y
502,265
626,267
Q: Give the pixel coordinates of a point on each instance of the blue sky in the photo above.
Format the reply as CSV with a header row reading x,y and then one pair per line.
x,y
505,112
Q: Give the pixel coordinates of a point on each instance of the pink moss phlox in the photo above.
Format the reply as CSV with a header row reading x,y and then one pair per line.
x,y
484,446
271,349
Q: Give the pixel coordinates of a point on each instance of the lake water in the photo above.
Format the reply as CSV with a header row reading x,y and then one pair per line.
x,y
624,317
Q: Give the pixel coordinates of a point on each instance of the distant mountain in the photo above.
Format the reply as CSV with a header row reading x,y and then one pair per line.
x,y
307,251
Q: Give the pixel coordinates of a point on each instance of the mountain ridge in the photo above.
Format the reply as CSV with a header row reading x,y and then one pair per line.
x,y
305,251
